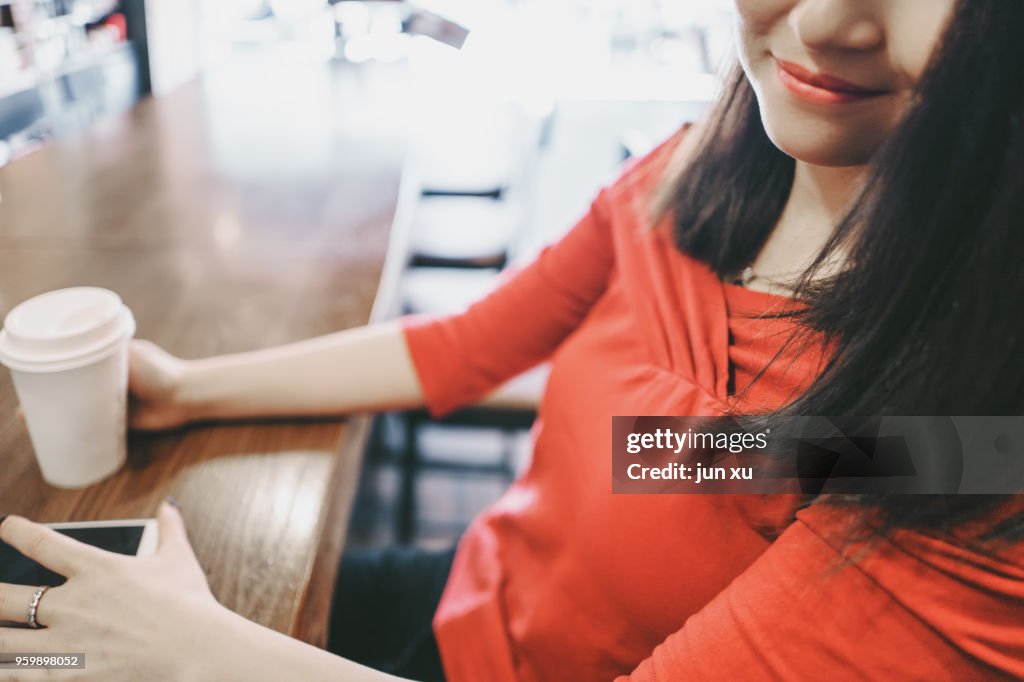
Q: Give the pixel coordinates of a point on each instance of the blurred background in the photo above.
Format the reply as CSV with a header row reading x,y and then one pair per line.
x,y
512,113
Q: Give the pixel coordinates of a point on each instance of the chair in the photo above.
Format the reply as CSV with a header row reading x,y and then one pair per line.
x,y
476,180
444,290
467,152
509,410
462,232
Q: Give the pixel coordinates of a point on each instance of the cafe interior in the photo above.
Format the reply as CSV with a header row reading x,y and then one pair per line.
x,y
248,173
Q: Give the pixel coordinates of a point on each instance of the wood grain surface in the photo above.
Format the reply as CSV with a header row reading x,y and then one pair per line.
x,y
245,210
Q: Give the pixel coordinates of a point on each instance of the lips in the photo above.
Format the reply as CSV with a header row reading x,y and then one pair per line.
x,y
821,88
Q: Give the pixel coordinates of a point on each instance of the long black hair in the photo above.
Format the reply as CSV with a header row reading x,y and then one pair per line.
x,y
927,316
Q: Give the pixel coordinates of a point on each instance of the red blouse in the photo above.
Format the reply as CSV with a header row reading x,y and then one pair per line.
x,y
562,580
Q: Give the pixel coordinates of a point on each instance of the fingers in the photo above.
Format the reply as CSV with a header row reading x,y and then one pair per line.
x,y
138,347
14,603
20,640
137,351
142,419
171,537
144,355
55,551
30,675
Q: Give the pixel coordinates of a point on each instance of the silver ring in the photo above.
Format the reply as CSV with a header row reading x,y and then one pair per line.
x,y
33,607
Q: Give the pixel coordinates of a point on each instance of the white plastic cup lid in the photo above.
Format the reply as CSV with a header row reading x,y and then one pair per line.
x,y
63,329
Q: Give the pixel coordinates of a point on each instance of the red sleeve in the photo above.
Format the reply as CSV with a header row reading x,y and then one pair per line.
x,y
818,607
461,357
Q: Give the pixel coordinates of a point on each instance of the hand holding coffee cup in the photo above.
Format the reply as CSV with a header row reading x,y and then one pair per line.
x,y
68,355
154,380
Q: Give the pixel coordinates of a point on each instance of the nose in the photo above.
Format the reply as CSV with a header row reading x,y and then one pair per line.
x,y
837,24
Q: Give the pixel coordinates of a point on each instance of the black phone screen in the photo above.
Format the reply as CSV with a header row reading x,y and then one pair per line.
x,y
18,569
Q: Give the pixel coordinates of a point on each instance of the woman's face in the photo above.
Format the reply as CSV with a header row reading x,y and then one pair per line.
x,y
833,77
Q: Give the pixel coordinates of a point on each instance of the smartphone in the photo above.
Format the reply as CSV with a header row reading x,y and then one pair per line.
x,y
135,537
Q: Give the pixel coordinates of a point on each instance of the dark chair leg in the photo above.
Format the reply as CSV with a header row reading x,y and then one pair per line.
x,y
508,454
405,518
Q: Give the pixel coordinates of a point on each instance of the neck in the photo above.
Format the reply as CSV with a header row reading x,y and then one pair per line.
x,y
816,203
820,193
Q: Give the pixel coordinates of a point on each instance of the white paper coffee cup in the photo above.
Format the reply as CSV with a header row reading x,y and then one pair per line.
x,y
68,355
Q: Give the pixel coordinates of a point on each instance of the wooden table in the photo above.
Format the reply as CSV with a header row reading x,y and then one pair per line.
x,y
243,211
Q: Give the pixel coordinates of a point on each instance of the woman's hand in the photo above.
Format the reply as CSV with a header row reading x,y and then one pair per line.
x,y
135,618
154,382
355,370
147,618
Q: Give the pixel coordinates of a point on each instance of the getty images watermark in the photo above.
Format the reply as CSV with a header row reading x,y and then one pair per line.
x,y
818,455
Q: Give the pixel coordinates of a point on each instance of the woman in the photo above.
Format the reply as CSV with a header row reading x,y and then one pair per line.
x,y
866,164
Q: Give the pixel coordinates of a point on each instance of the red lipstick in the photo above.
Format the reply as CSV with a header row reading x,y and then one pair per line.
x,y
822,89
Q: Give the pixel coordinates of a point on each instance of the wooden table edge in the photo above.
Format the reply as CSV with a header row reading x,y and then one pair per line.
x,y
311,617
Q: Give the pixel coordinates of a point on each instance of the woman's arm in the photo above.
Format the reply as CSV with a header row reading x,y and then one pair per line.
x,y
149,618
257,654
445,361
361,369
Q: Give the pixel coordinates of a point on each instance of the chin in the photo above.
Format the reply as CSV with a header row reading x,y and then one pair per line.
x,y
824,138
822,143
822,152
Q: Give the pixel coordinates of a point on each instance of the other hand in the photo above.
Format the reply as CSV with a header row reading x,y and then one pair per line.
x,y
135,618
154,382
